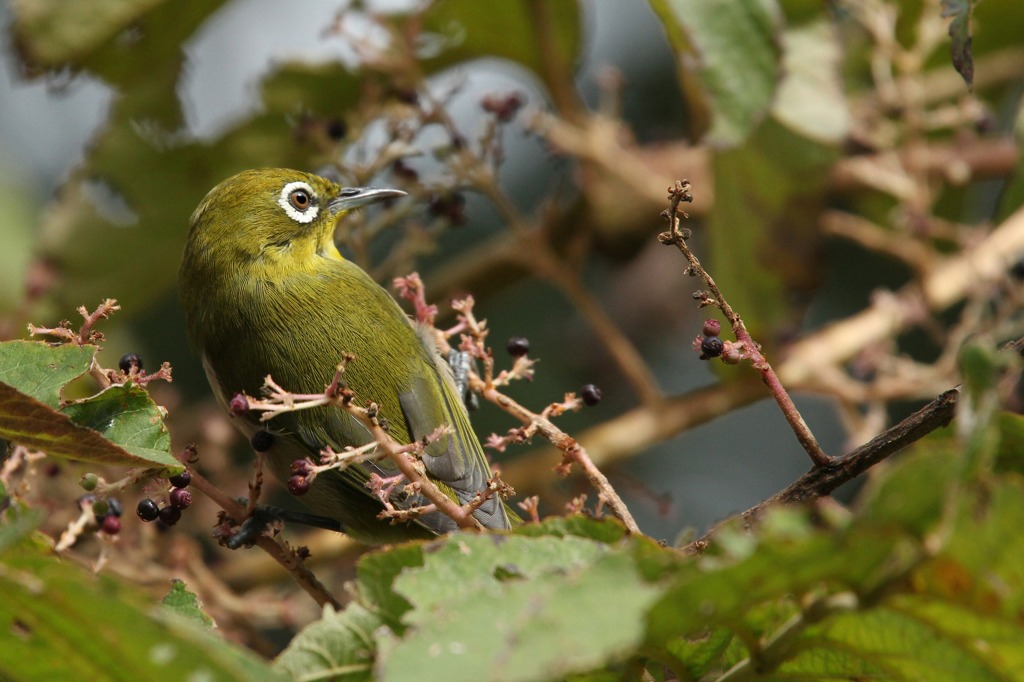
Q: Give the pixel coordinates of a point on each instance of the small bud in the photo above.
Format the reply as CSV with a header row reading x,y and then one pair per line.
x,y
712,327
147,510
298,485
170,515
591,395
518,346
88,482
262,441
302,467
180,498
111,525
450,205
238,405
129,360
181,480
732,356
711,347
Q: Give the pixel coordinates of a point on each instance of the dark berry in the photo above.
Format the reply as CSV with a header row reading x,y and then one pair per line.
x,y
89,482
591,395
115,508
170,515
111,525
1017,269
406,95
298,485
336,129
518,346
262,441
180,498
712,327
402,170
711,346
238,405
129,360
181,480
450,206
147,510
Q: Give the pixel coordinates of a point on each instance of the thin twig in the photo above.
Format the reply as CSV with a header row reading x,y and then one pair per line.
x,y
567,444
285,556
681,192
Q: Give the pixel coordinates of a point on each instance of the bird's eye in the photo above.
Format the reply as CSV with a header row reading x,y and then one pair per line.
x,y
299,201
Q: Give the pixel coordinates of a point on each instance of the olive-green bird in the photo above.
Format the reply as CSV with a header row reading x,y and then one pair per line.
x,y
265,291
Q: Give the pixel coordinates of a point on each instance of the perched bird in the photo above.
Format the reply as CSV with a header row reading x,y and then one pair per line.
x,y
265,291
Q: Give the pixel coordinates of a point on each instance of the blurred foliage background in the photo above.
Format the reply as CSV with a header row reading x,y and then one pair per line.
x,y
843,172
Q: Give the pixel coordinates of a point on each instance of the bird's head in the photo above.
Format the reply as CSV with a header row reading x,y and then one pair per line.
x,y
274,218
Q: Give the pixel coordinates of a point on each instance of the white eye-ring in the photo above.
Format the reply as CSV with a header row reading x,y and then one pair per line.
x,y
299,201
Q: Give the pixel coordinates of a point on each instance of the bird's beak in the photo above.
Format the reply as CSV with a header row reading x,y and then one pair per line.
x,y
354,197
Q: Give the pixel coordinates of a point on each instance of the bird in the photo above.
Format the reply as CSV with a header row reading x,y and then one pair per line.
x,y
265,291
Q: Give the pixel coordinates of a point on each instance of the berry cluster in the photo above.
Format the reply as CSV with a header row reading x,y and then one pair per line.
x,y
711,346
302,470
178,499
107,510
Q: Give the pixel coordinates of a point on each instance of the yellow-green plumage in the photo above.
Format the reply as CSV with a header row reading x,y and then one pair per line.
x,y
265,291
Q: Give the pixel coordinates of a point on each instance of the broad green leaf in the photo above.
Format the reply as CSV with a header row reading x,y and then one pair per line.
x,y
810,99
763,228
736,47
54,33
516,608
706,595
186,604
339,646
544,37
377,572
33,424
62,623
960,37
909,638
127,416
29,422
41,370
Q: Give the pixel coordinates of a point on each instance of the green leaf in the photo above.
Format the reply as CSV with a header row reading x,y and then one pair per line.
x,y
186,604
736,45
810,100
525,32
531,608
63,623
126,415
763,227
53,33
339,646
41,370
35,425
377,572
960,37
